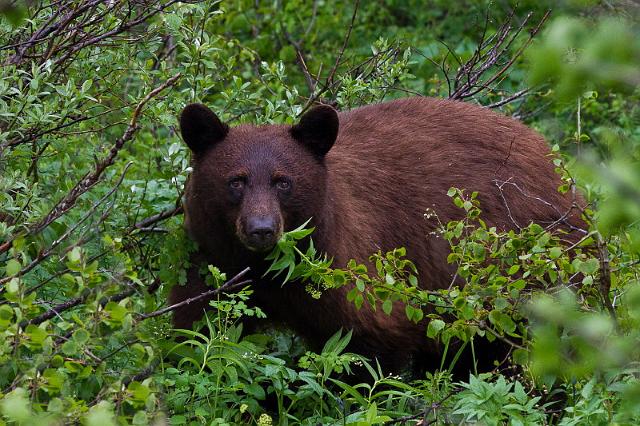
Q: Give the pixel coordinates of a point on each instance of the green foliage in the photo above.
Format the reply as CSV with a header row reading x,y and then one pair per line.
x,y
92,171
224,379
599,75
515,290
498,402
576,54
310,266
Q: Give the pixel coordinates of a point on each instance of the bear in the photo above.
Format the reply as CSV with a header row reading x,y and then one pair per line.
x,y
365,178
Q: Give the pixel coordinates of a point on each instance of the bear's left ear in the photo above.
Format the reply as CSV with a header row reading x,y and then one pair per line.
x,y
201,128
317,129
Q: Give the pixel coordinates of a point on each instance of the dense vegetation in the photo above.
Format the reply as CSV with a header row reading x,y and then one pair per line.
x,y
92,170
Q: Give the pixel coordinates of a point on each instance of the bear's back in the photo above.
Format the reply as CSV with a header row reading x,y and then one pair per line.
x,y
435,138
393,162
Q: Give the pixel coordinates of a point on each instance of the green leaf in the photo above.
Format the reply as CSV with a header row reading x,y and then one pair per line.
x,y
70,348
55,381
520,356
6,314
15,406
255,390
14,12
387,307
434,327
408,310
555,252
101,414
513,269
12,267
36,335
413,280
140,392
589,267
74,255
358,300
502,321
13,286
86,85
81,336
140,418
418,315
55,406
501,303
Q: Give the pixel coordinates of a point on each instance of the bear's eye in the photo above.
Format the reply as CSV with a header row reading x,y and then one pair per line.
x,y
283,185
236,183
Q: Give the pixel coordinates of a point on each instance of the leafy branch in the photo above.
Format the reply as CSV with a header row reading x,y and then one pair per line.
x,y
91,179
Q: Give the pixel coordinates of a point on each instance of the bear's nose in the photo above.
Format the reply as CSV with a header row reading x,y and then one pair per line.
x,y
261,231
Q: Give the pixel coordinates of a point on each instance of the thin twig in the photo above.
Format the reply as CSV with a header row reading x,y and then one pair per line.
x,y
166,214
517,95
65,306
469,81
329,81
143,374
498,336
229,285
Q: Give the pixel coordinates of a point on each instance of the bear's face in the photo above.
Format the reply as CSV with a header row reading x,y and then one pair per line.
x,y
259,181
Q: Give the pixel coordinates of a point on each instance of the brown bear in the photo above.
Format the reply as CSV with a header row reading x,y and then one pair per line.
x,y
365,177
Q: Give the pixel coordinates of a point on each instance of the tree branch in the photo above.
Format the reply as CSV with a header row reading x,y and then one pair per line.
x,y
152,220
469,81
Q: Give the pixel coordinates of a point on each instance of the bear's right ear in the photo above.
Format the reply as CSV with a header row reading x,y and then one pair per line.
x,y
201,128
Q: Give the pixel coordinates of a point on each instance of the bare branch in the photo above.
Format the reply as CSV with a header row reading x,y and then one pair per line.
x,y
71,28
470,78
344,43
302,63
509,99
329,81
231,284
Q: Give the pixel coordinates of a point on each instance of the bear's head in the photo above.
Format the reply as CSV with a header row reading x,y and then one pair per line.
x,y
254,182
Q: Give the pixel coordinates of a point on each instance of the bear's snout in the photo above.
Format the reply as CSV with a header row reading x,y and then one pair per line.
x,y
261,233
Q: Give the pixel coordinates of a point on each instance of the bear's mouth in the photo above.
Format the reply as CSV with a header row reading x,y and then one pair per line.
x,y
262,248
257,244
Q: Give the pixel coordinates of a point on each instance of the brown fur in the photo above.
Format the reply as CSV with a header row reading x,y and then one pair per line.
x,y
390,163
